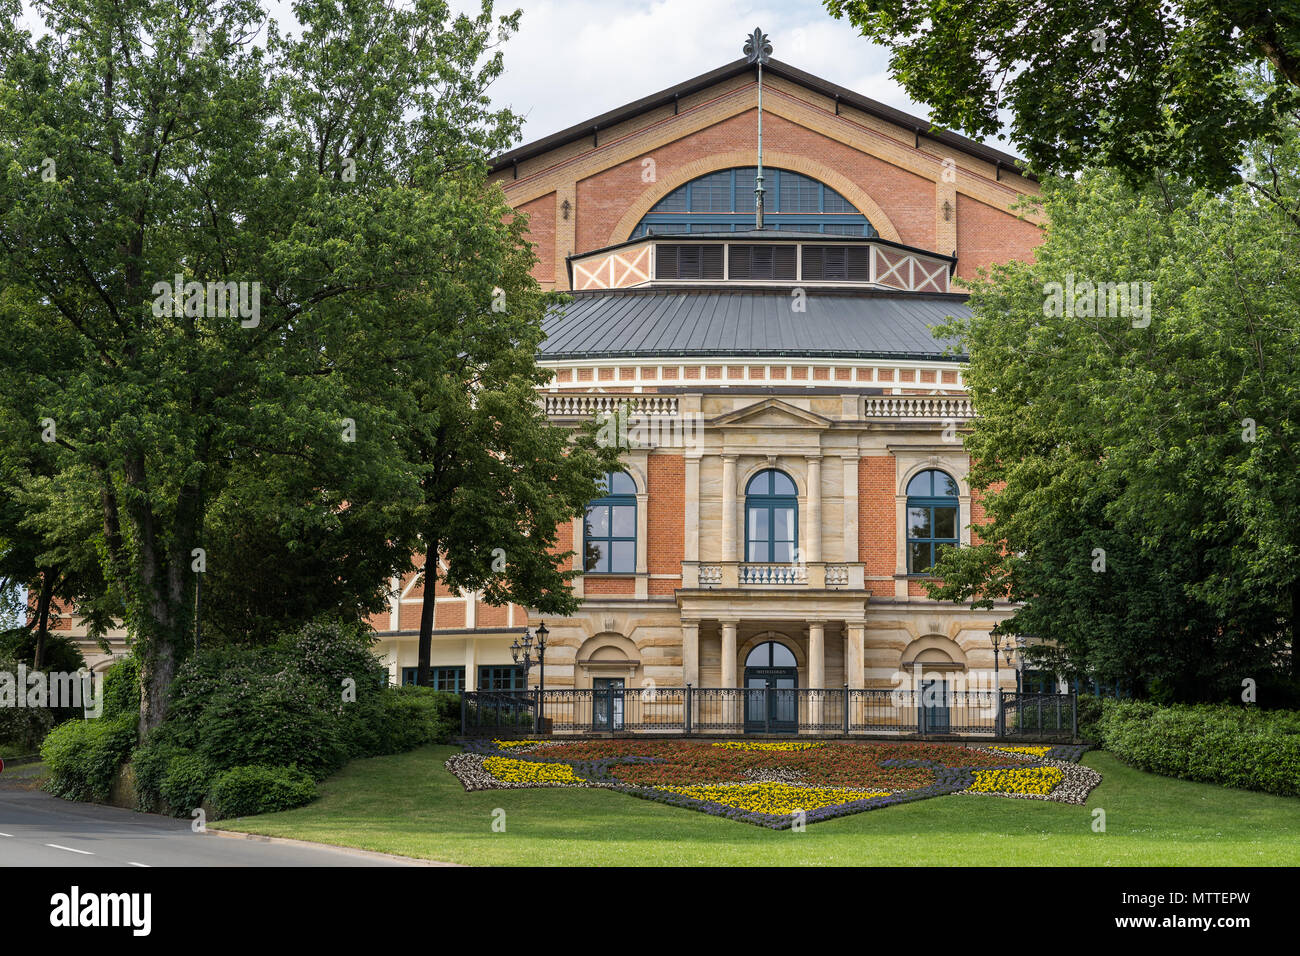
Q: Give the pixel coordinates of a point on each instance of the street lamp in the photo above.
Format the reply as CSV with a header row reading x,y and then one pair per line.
x,y
523,654
996,638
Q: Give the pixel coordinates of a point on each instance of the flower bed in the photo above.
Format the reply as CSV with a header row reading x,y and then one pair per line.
x,y
778,783
773,797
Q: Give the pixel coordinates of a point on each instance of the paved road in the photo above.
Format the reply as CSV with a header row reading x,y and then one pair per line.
x,y
37,829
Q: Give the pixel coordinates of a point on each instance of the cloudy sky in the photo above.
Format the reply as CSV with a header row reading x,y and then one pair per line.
x,y
575,59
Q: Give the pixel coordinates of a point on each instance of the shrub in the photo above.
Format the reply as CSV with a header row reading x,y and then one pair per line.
x,y
250,790
21,728
83,756
414,716
122,688
185,782
272,719
61,654
1214,743
149,763
1089,711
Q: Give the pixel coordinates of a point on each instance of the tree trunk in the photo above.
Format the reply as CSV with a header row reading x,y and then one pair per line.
x,y
157,668
43,617
428,609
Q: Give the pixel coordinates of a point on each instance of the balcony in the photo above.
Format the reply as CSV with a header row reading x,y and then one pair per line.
x,y
814,575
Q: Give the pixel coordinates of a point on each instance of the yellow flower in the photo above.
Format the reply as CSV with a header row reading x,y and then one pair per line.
x,y
1032,780
775,798
1031,751
763,745
499,744
509,770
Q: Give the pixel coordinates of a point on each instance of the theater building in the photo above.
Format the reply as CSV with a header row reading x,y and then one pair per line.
x,y
794,446
794,453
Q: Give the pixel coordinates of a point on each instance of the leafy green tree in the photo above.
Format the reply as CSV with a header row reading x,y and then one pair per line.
x,y
150,156
1140,468
1135,86
496,479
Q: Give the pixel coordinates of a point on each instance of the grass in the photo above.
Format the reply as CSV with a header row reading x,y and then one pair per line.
x,y
410,805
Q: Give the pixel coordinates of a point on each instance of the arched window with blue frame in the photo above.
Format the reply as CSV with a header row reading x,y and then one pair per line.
x,y
609,529
771,517
932,518
724,202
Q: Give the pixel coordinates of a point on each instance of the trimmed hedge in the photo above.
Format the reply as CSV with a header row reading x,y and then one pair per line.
x,y
1240,747
83,756
248,791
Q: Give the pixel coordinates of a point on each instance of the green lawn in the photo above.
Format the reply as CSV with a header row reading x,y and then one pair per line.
x,y
409,804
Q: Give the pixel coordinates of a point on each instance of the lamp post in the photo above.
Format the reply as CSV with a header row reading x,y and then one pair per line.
x,y
523,654
996,638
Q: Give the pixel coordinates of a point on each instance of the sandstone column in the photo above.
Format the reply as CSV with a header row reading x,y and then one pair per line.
x,y
816,669
728,653
814,532
691,653
729,508
854,654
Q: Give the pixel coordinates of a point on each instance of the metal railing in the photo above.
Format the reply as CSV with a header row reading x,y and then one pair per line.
x,y
723,711
1039,715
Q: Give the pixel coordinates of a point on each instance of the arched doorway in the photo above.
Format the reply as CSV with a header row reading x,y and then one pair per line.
x,y
771,690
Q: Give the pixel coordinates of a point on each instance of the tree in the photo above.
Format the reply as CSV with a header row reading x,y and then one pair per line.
x,y
496,479
1140,467
203,230
48,553
1135,86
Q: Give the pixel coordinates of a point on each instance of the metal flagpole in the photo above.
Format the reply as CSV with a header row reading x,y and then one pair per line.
x,y
758,50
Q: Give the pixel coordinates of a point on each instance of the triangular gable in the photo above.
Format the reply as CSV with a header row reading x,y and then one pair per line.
x,y
772,412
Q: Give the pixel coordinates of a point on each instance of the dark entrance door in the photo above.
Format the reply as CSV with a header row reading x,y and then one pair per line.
x,y
771,690
607,703
933,711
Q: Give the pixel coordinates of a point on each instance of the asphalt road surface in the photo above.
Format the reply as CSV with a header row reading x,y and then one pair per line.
x,y
37,829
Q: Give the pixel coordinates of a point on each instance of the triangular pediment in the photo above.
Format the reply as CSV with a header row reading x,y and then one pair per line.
x,y
772,412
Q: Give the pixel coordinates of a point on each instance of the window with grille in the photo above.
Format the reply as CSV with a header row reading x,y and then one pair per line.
x,y
761,262
850,263
688,262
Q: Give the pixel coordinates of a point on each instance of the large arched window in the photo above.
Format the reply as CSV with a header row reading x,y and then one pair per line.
x,y
609,535
724,202
771,517
931,519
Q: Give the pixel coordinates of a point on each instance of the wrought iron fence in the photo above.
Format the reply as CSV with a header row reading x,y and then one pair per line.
x,y
722,711
1040,715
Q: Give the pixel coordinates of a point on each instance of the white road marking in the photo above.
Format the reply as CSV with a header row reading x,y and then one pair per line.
x,y
70,849
6,834
131,863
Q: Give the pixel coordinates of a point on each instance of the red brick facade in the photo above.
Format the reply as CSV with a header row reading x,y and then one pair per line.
x,y
877,535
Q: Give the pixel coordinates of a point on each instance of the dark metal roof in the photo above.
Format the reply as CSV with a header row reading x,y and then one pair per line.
x,y
918,126
736,321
